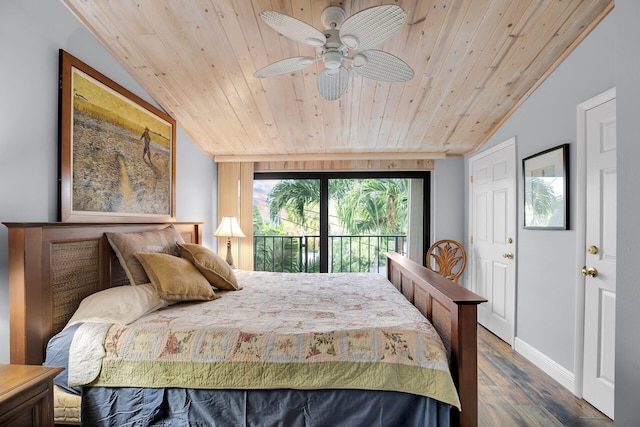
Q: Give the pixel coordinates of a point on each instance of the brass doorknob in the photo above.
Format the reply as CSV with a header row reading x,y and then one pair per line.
x,y
591,272
508,255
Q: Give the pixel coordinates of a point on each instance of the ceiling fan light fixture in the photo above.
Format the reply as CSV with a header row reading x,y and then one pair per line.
x,y
332,60
350,41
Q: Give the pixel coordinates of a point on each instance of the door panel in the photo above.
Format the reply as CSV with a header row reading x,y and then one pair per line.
x,y
481,229
608,206
499,295
606,362
500,212
481,276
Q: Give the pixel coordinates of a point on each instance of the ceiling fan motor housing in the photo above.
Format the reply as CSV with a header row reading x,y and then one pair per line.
x,y
333,51
333,40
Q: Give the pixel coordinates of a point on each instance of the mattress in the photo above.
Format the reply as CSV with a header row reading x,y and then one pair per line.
x,y
66,406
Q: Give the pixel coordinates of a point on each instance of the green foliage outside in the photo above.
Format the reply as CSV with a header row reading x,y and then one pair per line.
x,y
278,254
359,208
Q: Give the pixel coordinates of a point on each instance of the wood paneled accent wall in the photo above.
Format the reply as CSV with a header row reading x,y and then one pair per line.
x,y
235,198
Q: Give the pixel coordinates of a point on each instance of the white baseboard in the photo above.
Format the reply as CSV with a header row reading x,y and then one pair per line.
x,y
551,368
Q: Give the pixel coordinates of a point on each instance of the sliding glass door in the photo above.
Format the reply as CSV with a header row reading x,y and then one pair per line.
x,y
335,222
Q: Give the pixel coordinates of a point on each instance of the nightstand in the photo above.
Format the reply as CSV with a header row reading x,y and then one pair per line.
x,y
26,395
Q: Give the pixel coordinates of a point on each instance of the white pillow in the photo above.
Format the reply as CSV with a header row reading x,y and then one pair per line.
x,y
121,305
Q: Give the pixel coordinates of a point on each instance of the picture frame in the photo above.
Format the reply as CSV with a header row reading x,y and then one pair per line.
x,y
546,189
116,151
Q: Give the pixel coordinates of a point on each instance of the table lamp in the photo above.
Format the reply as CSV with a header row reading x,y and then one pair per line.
x,y
229,228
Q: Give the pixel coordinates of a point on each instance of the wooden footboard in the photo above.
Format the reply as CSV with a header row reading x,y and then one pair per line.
x,y
452,310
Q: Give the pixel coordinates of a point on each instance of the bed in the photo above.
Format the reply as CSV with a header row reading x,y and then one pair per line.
x,y
54,266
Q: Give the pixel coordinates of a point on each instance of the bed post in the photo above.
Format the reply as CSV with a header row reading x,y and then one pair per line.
x,y
452,310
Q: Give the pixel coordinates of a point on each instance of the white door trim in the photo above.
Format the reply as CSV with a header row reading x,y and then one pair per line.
x,y
507,143
580,221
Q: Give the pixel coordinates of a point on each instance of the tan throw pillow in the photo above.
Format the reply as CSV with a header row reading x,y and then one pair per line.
x,y
125,245
211,265
175,279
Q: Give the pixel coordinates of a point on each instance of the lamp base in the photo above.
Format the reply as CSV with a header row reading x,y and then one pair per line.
x,y
229,256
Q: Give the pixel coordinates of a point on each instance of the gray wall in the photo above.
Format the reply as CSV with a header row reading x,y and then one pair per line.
x,y
31,32
628,285
447,200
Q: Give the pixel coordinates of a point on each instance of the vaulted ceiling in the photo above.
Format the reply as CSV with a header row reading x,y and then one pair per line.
x,y
474,62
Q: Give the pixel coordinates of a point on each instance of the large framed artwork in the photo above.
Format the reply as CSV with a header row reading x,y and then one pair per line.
x,y
117,151
546,189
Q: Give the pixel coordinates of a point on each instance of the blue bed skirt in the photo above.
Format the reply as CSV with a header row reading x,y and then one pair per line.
x,y
287,408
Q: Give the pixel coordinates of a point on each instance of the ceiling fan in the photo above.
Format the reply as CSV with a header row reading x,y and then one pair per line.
x,y
360,33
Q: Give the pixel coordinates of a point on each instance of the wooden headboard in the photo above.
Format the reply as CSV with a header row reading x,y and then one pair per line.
x,y
53,266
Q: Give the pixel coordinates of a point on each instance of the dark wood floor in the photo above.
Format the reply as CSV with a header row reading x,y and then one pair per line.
x,y
514,392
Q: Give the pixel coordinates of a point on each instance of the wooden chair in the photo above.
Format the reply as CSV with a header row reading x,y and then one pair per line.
x,y
447,258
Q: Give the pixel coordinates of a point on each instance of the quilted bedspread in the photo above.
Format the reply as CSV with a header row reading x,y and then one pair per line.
x,y
283,330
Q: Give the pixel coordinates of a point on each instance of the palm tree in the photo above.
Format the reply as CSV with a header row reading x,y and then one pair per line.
x,y
294,196
376,206
298,197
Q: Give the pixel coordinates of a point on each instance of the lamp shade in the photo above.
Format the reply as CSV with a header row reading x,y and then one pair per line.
x,y
229,228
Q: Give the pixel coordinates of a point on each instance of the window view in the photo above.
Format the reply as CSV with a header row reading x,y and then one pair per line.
x,y
366,218
286,230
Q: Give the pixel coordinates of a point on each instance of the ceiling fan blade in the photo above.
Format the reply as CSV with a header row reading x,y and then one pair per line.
x,y
293,28
370,27
332,83
379,65
285,66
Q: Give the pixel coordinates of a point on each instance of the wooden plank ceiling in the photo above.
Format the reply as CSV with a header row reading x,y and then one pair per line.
x,y
474,61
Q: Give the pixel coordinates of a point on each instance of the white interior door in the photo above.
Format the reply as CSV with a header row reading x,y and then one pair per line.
x,y
600,257
492,228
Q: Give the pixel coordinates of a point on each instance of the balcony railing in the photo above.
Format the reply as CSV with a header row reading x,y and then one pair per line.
x,y
347,253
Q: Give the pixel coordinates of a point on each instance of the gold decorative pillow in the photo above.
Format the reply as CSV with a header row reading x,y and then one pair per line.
x,y
175,279
125,245
211,265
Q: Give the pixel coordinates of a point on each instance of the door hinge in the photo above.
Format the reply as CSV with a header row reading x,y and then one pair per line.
x,y
471,179
471,240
